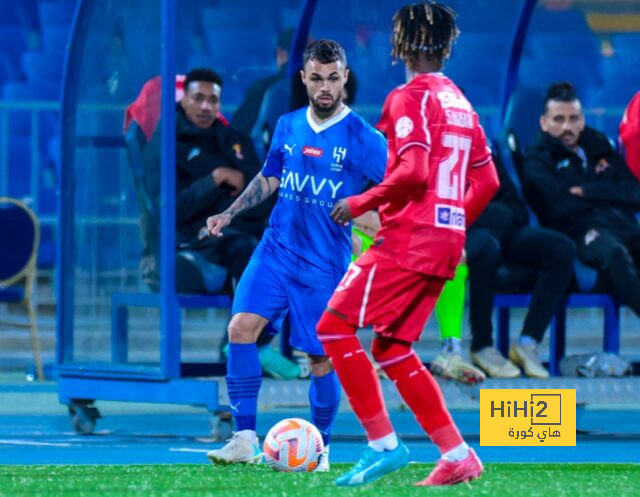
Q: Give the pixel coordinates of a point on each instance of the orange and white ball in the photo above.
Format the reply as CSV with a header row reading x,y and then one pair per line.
x,y
293,444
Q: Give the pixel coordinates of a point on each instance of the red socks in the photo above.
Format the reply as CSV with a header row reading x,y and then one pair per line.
x,y
423,396
360,382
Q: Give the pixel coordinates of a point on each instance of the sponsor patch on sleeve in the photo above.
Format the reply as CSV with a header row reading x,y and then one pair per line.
x,y
404,127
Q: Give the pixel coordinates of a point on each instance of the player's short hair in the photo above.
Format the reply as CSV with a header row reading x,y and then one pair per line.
x,y
560,92
202,74
428,27
325,52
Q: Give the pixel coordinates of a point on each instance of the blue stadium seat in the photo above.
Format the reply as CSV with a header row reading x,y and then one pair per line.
x,y
55,38
8,70
523,110
30,91
552,69
43,66
237,17
56,13
12,14
496,46
13,41
241,47
19,166
564,21
479,78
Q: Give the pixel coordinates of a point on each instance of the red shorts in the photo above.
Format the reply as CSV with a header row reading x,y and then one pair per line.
x,y
376,291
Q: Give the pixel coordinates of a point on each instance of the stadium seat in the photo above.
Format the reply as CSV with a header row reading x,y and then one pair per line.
x,y
18,264
214,19
544,71
559,21
55,38
56,13
42,66
29,92
13,41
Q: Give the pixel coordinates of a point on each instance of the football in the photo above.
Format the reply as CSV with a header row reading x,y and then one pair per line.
x,y
293,444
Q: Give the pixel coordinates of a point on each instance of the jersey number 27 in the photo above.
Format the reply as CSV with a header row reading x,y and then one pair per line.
x,y
453,169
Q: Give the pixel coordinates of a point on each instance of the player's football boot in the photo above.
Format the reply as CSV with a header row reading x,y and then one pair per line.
x,y
240,448
450,473
276,365
372,465
323,463
455,367
526,356
492,362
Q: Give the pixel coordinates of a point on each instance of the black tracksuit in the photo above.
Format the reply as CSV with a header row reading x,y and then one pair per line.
x,y
603,221
505,254
198,153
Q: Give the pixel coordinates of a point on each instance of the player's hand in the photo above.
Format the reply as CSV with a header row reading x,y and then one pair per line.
x,y
577,191
232,177
341,214
216,223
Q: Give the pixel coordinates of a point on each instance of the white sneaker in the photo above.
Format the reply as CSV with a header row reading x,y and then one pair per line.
x,y
526,356
323,463
242,447
492,362
454,366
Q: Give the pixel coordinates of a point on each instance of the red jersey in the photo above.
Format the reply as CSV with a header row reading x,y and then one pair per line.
x,y
630,134
434,137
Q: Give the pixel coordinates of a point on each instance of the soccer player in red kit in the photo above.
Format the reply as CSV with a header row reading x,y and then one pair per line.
x,y
439,178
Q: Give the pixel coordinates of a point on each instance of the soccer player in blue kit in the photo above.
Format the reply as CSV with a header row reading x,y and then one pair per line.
x,y
318,155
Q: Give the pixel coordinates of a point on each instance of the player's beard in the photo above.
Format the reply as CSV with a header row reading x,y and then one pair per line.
x,y
325,109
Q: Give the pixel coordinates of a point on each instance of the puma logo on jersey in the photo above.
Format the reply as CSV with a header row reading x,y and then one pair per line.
x,y
290,148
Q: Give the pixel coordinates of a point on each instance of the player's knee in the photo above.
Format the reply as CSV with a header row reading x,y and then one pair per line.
x,y
319,365
242,330
385,350
332,324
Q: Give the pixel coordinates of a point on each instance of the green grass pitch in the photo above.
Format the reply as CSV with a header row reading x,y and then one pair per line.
x,y
520,480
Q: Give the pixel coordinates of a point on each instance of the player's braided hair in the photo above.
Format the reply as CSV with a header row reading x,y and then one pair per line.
x,y
428,27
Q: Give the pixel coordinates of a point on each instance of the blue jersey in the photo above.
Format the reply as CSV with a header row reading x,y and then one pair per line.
x,y
317,165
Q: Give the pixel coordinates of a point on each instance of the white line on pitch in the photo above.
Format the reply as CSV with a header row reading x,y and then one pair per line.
x,y
28,442
180,449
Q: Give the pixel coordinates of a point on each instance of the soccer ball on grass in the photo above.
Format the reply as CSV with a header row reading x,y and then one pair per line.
x,y
293,444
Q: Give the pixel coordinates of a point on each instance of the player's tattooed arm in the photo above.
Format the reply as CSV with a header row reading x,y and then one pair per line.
x,y
256,192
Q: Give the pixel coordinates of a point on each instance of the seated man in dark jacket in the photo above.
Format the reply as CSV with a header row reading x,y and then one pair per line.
x,y
213,164
537,260
578,184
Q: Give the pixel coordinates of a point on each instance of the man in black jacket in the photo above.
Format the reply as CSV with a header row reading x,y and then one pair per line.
x,y
213,161
578,184
535,259
213,164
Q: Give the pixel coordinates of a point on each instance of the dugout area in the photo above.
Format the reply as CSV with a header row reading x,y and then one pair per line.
x,y
119,341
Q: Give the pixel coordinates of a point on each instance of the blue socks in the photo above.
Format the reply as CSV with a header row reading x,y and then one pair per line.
x,y
324,397
244,377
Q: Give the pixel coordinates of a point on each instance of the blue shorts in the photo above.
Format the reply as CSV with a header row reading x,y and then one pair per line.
x,y
275,282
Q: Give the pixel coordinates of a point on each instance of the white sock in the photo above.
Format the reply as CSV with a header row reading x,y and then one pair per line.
x,y
249,435
388,442
458,453
451,346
